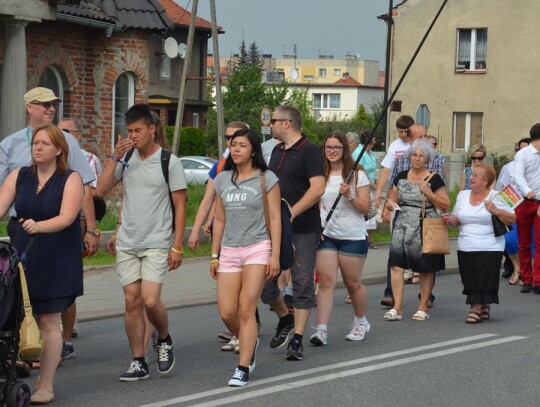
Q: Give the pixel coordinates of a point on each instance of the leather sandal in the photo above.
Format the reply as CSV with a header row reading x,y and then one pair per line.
x,y
474,318
42,397
484,314
514,278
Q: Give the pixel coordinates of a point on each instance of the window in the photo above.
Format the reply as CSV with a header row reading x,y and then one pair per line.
x,y
165,65
467,130
195,121
337,72
322,72
308,77
51,78
124,98
471,49
326,100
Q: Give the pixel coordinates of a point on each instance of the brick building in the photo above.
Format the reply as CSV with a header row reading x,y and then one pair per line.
x,y
97,55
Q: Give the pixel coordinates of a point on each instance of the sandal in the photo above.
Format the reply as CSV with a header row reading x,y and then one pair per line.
x,y
231,345
373,245
42,397
393,315
473,318
516,275
416,278
348,299
420,316
484,314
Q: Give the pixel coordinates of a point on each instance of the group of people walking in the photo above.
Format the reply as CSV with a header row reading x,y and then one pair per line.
x,y
46,181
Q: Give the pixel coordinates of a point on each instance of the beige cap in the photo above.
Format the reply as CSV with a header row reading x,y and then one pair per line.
x,y
40,95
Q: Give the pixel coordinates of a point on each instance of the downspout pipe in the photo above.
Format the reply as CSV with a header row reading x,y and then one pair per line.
x,y
107,27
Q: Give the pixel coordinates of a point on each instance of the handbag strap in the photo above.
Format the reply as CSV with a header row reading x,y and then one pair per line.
x,y
24,288
424,196
265,201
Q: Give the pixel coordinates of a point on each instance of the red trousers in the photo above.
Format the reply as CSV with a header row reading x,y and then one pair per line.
x,y
526,218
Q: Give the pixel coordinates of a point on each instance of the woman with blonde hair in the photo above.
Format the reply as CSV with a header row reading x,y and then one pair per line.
x,y
477,154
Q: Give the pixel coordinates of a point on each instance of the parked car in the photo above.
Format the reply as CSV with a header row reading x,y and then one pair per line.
x,y
196,168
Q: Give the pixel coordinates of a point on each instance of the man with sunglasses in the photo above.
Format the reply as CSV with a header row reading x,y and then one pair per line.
x,y
15,152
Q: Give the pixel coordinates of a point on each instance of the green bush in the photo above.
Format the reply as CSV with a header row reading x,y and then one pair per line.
x,y
192,140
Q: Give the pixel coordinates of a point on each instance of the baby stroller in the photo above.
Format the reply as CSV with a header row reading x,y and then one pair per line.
x,y
13,393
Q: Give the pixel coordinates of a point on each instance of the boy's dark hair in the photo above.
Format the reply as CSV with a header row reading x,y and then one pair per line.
x,y
535,132
524,140
404,122
138,112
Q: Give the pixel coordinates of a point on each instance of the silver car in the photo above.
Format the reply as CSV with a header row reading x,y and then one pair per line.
x,y
196,168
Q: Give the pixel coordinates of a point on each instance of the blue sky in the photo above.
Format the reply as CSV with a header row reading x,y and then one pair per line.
x,y
332,27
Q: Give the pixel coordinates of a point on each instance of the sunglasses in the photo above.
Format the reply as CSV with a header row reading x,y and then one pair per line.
x,y
477,158
46,105
70,131
273,121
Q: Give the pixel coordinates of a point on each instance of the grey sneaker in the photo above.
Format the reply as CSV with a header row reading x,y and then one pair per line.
x,y
282,335
226,335
165,357
136,371
68,351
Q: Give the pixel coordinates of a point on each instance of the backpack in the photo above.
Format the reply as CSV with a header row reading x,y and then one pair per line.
x,y
286,252
165,158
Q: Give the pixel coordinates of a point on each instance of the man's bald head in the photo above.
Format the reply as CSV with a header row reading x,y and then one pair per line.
x,y
416,132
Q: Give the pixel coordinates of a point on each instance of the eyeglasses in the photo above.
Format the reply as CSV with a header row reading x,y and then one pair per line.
x,y
333,148
228,138
477,158
273,121
71,131
46,105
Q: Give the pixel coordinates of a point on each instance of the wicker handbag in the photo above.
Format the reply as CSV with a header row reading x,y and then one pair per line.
x,y
434,232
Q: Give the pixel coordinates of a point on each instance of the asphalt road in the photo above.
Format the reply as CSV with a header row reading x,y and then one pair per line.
x,y
440,362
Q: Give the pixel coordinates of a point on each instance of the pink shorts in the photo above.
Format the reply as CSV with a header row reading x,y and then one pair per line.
x,y
232,259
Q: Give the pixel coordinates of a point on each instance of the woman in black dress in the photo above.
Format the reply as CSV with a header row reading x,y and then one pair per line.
x,y
48,198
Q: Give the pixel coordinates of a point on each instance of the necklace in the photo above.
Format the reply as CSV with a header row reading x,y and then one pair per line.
x,y
39,188
477,199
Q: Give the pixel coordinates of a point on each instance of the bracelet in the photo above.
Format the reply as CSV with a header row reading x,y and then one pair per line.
x,y
215,255
214,260
118,160
181,251
113,237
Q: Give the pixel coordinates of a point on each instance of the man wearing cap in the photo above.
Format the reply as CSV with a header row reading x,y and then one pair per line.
x,y
15,152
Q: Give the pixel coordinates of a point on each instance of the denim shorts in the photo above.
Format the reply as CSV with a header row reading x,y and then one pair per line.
x,y
354,248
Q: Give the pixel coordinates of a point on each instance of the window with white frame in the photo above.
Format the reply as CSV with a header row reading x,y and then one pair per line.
x,y
124,98
471,49
337,72
308,77
326,100
322,72
51,78
467,130
165,65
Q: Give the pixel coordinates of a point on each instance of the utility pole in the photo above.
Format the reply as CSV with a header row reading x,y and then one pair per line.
x,y
183,79
217,78
390,23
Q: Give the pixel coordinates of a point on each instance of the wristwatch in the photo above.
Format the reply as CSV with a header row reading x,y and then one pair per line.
x,y
95,233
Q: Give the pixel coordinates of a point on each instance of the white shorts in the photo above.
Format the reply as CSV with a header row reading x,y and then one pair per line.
x,y
134,264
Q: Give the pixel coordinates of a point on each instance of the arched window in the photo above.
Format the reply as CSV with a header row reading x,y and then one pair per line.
x,y
124,98
51,78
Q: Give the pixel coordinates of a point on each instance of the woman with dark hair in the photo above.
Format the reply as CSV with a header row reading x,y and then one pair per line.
x,y
244,252
343,244
48,197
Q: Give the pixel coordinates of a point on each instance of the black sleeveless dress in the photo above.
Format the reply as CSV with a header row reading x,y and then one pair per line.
x,y
54,268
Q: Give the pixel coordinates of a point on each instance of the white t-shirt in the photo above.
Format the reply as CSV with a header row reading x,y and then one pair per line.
x,y
476,229
505,176
396,149
346,223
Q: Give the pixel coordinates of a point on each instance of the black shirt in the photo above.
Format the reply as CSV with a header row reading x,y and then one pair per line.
x,y
294,167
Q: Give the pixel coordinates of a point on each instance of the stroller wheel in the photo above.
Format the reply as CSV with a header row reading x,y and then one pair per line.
x,y
19,395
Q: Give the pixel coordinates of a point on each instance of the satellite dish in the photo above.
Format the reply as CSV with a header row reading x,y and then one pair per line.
x,y
182,50
294,74
171,47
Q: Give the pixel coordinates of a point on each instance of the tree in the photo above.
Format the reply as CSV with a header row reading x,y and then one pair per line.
x,y
255,56
243,58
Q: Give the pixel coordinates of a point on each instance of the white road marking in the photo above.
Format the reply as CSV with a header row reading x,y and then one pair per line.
x,y
332,376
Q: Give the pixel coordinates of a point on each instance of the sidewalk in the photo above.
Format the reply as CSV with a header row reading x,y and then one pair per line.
x,y
191,284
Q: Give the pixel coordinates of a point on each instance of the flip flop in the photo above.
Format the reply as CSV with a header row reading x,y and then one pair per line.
x,y
393,315
42,397
420,316
474,318
514,278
